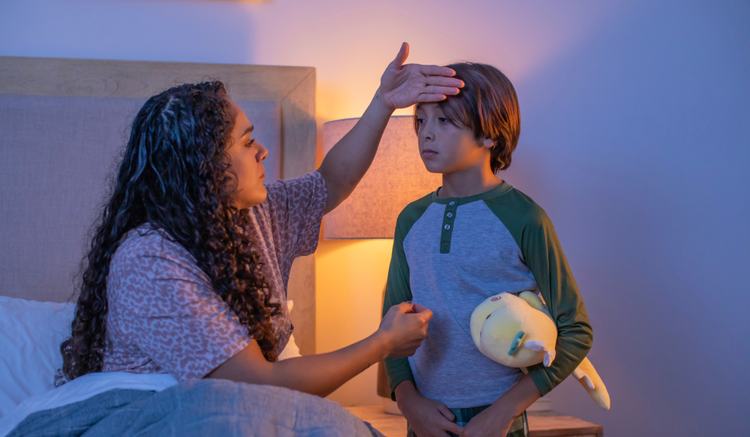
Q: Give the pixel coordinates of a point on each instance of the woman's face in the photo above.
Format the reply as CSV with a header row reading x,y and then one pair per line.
x,y
246,157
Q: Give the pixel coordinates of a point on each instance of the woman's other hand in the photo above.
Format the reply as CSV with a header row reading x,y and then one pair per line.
x,y
400,333
404,85
403,328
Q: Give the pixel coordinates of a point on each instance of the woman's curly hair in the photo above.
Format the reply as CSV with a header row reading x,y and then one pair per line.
x,y
175,175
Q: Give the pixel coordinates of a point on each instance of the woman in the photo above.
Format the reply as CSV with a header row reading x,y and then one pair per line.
x,y
187,272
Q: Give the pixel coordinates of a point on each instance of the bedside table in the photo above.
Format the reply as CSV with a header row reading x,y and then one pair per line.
x,y
553,424
541,423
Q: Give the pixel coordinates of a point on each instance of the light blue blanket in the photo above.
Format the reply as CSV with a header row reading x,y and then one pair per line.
x,y
198,408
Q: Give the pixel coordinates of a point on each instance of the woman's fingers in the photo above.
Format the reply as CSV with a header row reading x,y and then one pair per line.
x,y
403,53
406,324
435,70
406,307
400,316
435,89
422,310
403,85
430,98
444,81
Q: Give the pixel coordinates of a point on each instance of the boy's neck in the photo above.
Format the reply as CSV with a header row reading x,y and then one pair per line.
x,y
468,183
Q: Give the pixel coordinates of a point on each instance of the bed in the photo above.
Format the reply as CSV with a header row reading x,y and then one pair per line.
x,y
63,123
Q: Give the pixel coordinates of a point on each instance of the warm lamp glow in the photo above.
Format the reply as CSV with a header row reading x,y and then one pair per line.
x,y
396,178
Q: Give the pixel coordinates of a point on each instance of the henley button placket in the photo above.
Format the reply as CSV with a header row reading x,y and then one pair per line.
x,y
448,219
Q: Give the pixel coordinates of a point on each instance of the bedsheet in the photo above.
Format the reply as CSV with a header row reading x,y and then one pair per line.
x,y
80,389
198,408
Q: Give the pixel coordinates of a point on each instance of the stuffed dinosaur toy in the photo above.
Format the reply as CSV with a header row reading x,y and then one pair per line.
x,y
518,331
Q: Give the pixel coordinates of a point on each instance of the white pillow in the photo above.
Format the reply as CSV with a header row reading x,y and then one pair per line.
x,y
290,350
30,337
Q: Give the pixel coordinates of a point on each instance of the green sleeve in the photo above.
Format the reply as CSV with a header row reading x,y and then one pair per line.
x,y
535,235
547,262
397,288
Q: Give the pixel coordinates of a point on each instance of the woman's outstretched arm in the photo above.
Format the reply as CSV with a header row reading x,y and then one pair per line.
x,y
400,86
399,335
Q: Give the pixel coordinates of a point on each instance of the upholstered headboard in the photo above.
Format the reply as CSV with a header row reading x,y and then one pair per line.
x,y
63,125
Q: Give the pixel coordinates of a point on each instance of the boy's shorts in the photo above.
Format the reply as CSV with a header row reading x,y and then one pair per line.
x,y
519,427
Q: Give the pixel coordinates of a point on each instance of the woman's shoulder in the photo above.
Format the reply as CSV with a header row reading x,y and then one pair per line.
x,y
310,187
147,242
150,260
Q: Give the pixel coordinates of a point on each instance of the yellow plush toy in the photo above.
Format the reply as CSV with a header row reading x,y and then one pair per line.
x,y
518,331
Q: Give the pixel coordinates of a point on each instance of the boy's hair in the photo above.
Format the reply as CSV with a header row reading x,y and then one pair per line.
x,y
488,105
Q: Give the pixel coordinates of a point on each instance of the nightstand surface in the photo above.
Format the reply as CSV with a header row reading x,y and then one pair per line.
x,y
541,423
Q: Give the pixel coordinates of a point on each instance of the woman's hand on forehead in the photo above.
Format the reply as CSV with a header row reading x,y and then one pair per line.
x,y
403,85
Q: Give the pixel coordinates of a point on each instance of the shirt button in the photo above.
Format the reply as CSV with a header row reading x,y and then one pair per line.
x,y
447,227
452,203
449,215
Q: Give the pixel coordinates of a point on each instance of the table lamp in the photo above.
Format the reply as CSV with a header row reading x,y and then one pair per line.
x,y
396,178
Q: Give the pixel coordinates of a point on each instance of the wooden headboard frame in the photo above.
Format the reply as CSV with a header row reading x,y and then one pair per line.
x,y
292,87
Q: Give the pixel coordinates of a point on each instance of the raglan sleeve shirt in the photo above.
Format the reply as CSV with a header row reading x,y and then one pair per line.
x,y
397,287
535,236
397,290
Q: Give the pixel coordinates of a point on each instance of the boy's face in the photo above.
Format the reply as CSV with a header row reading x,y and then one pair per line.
x,y
446,148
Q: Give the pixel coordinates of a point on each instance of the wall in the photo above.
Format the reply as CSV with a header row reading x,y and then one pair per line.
x,y
636,127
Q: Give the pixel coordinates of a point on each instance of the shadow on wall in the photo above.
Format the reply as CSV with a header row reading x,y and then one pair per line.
x,y
636,146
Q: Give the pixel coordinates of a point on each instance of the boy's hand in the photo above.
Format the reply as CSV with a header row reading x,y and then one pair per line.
x,y
404,85
489,422
496,420
427,418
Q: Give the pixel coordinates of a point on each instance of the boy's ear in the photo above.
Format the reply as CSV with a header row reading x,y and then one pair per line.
x,y
488,142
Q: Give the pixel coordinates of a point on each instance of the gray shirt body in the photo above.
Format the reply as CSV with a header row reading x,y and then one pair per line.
x,y
450,255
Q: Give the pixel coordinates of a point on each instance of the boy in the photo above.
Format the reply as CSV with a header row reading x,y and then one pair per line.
x,y
474,237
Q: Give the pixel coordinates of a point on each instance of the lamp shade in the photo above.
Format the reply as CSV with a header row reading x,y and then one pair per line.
x,y
396,178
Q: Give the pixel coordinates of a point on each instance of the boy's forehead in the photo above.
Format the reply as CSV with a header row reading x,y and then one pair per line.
x,y
428,107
